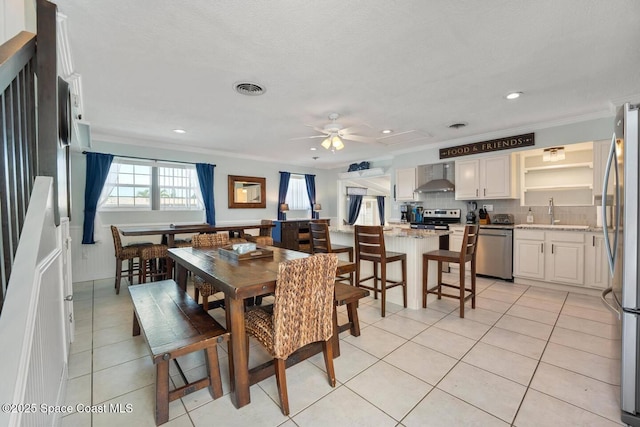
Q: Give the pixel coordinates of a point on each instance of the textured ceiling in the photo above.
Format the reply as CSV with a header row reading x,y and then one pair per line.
x,y
415,67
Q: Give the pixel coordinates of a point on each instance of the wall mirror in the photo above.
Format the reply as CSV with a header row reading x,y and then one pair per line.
x,y
247,192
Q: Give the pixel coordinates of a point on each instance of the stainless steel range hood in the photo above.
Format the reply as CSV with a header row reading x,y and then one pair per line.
x,y
439,181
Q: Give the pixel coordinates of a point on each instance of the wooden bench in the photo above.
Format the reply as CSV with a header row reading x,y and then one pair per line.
x,y
175,325
346,295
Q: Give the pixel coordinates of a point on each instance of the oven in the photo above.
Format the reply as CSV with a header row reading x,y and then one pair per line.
x,y
439,219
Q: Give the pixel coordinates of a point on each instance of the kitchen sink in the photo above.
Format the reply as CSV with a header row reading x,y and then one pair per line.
x,y
560,226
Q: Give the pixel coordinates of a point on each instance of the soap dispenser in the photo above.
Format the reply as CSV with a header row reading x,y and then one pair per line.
x,y
530,217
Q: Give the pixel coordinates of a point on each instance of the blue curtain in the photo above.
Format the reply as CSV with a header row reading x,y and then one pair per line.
x,y
97,172
282,192
205,178
311,192
354,208
380,200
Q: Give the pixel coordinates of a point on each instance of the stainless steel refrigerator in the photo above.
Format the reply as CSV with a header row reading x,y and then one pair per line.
x,y
623,297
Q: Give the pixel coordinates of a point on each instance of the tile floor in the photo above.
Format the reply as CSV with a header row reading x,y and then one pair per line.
x,y
525,356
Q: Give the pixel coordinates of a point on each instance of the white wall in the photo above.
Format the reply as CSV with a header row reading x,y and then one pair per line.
x,y
16,16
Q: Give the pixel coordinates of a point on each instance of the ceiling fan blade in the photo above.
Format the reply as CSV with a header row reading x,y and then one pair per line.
x,y
352,128
307,137
357,138
317,129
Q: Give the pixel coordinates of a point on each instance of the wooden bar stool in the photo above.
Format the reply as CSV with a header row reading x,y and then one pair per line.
x,y
321,243
153,265
466,254
370,247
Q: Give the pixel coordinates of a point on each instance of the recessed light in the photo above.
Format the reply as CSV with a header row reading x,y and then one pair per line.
x,y
313,148
513,95
386,131
181,131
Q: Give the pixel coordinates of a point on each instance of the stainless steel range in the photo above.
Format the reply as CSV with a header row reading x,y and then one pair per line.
x,y
439,219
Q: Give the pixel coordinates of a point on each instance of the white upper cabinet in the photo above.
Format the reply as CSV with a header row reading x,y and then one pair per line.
x,y
486,178
405,184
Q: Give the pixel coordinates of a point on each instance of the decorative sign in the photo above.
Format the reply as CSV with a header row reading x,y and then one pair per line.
x,y
488,146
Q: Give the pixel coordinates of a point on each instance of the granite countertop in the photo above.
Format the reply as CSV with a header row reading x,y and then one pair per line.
x,y
397,232
560,227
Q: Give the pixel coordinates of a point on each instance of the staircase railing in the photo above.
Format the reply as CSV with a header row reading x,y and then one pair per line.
x,y
18,146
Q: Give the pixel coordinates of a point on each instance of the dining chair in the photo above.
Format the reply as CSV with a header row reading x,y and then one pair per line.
x,y
129,253
200,286
321,243
302,314
466,254
370,247
264,237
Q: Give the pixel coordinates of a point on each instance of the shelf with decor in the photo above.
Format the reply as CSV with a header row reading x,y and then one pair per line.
x,y
569,179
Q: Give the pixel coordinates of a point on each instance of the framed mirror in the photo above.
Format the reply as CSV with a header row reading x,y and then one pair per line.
x,y
247,192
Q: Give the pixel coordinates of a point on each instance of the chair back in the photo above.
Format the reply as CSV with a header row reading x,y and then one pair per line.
x,y
303,305
320,240
469,242
265,231
369,243
207,240
117,243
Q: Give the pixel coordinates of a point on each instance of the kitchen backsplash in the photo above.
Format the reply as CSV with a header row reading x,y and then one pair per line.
x,y
576,215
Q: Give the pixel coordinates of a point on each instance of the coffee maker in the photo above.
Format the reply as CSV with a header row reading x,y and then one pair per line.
x,y
471,212
403,214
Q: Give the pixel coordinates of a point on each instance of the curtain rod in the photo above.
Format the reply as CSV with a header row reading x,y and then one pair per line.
x,y
297,173
144,158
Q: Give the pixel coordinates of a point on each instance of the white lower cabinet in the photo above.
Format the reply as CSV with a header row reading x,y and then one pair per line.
x,y
528,254
564,257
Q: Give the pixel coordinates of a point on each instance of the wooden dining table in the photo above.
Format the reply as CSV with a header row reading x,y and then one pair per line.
x,y
169,231
239,280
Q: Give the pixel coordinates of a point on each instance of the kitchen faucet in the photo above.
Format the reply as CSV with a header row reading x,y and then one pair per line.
x,y
551,211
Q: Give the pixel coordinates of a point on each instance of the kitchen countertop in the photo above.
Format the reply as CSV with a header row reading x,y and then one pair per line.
x,y
558,227
397,232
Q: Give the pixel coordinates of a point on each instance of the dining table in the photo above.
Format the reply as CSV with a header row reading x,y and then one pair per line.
x,y
239,280
169,231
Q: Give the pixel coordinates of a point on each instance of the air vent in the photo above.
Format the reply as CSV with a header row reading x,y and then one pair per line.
x,y
249,89
457,125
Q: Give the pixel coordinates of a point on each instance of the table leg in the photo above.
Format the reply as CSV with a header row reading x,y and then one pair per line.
x,y
171,244
238,363
181,276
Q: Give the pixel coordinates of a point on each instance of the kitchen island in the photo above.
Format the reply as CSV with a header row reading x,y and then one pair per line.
x,y
411,242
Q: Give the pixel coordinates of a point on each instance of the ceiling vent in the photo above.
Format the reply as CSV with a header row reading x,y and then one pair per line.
x,y
249,89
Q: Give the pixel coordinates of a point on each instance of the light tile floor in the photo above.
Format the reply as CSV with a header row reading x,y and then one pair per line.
x,y
525,356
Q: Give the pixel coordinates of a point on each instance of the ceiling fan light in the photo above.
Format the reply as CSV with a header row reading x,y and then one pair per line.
x,y
326,143
336,143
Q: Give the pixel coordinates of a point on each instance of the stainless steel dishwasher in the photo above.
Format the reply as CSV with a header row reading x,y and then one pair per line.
x,y
494,255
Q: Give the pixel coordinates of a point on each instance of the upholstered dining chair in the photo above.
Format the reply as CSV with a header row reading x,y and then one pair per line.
x,y
302,314
321,243
370,247
467,253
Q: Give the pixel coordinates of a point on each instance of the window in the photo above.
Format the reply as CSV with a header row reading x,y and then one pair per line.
x,y
297,197
151,185
368,212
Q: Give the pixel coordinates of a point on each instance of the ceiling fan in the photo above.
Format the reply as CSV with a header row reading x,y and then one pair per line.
x,y
334,134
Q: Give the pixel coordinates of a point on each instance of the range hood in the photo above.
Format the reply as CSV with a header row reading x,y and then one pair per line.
x,y
439,181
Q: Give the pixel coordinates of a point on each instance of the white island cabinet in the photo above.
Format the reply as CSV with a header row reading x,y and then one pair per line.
x,y
411,242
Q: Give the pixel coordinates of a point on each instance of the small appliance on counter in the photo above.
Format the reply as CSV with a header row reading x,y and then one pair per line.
x,y
471,213
404,214
503,219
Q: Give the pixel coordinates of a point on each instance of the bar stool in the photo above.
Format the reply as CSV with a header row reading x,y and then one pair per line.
x,y
370,247
153,263
321,243
129,253
466,254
